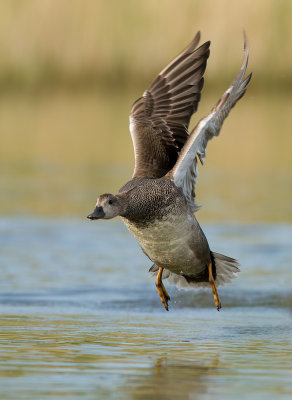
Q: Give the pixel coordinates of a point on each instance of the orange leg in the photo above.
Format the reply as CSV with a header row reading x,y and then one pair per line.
x,y
214,290
164,296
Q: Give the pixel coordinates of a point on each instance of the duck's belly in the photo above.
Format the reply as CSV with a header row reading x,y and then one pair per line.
x,y
175,243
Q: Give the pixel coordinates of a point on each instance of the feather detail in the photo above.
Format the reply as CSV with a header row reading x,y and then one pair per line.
x,y
159,119
185,171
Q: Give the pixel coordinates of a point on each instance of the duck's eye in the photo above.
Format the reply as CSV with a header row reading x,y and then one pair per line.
x,y
110,202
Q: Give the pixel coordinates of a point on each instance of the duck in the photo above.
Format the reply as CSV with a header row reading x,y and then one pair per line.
x,y
158,204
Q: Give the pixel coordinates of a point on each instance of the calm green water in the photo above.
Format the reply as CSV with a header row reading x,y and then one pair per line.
x,y
81,318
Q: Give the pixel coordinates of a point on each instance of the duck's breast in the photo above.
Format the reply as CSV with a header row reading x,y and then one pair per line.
x,y
175,242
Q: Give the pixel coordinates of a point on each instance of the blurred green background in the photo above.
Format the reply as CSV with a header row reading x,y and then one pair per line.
x,y
70,70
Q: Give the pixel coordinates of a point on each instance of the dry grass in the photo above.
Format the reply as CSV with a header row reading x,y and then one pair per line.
x,y
82,43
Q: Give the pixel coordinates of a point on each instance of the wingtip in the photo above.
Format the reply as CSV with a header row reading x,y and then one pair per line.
x,y
197,36
245,43
244,38
194,43
248,78
245,56
192,46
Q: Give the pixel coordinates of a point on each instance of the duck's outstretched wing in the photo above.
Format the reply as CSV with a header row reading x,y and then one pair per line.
x,y
185,171
159,119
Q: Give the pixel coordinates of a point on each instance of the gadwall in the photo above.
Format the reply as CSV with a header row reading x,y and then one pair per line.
x,y
158,203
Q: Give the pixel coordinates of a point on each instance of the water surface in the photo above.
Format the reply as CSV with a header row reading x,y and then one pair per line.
x,y
81,318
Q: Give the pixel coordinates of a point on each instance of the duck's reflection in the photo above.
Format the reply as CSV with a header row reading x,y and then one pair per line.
x,y
172,379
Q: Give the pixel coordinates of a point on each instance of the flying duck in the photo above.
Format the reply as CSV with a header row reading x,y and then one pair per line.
x,y
158,204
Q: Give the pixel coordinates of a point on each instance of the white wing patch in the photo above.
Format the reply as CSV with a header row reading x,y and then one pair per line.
x,y
132,126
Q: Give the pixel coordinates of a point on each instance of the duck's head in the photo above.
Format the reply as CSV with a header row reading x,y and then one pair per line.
x,y
107,206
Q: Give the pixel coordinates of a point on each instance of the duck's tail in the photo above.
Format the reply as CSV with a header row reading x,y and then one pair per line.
x,y
225,268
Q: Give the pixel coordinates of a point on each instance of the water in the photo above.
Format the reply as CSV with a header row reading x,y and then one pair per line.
x,y
81,317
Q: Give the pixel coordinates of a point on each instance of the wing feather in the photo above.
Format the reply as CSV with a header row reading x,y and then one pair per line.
x,y
185,171
159,119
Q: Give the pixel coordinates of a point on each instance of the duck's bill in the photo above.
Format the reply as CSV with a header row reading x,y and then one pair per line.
x,y
97,213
